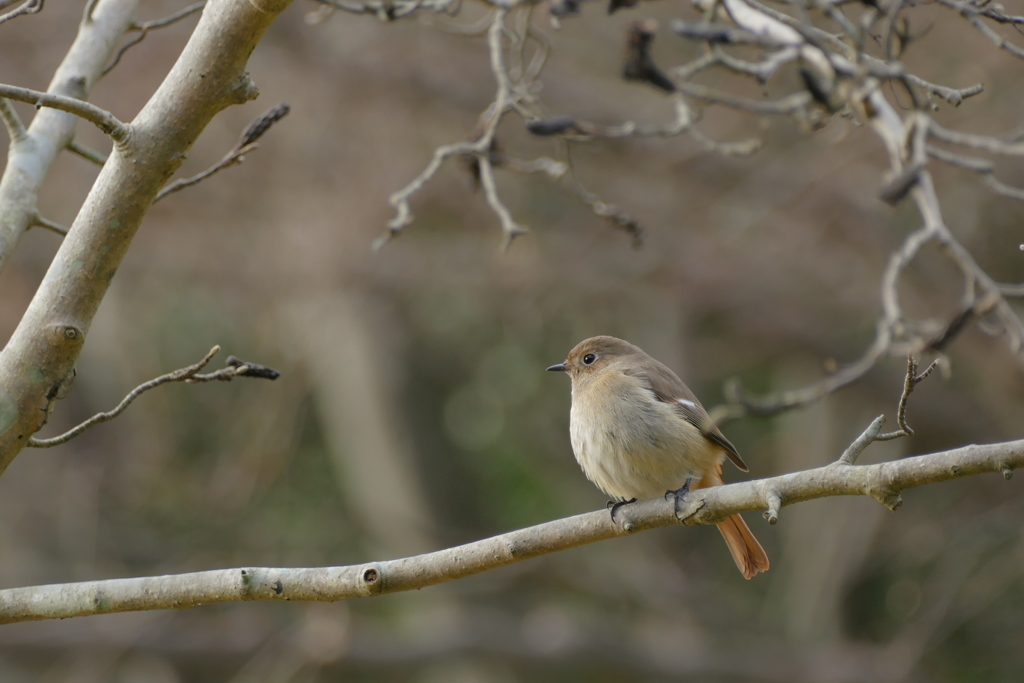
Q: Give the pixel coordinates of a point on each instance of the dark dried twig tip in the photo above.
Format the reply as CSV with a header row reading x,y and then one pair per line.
x,y
615,5
719,33
261,125
252,369
556,125
928,370
820,88
911,381
962,320
639,64
563,8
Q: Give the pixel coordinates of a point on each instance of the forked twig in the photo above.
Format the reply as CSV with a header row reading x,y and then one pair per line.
x,y
911,381
189,375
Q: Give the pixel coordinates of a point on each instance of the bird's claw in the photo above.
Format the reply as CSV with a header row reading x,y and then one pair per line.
x,y
679,493
614,506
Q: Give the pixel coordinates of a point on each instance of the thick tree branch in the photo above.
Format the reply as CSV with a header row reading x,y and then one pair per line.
x,y
882,481
38,362
33,152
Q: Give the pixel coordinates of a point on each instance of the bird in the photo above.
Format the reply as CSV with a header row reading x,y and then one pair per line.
x,y
639,432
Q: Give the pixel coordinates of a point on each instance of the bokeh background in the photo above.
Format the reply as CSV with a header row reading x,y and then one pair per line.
x,y
413,411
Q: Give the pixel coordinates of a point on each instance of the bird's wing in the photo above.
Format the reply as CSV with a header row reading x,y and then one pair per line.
x,y
667,387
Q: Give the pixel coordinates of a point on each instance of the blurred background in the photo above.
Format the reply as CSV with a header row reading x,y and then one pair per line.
x,y
414,413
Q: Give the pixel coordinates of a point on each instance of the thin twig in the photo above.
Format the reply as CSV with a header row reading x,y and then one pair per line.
x,y
619,218
49,225
984,143
972,13
16,130
27,7
86,153
145,28
480,147
912,380
189,374
866,438
246,144
101,118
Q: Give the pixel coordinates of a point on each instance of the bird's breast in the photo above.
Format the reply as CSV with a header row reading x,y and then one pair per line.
x,y
631,444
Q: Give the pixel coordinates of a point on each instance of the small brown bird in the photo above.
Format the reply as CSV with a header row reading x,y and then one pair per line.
x,y
639,432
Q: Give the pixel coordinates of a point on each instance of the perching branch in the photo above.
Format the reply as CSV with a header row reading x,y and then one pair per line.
x,y
188,374
883,481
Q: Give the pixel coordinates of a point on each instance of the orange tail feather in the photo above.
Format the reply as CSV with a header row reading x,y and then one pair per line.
x,y
748,554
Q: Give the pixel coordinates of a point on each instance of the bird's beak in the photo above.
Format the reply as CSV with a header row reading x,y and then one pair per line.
x,y
557,368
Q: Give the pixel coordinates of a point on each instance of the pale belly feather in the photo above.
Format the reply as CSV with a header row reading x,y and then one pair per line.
x,y
639,448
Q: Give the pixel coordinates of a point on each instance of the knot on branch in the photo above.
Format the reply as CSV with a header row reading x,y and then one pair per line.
x,y
371,579
63,334
773,500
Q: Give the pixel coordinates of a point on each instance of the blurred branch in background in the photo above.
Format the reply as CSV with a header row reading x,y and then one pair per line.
x,y
26,7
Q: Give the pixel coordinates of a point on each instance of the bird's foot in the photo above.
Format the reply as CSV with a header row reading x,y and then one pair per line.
x,y
614,506
681,492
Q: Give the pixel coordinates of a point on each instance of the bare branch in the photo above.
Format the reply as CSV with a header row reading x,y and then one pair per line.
x,y
145,28
480,147
911,381
51,130
101,118
973,14
982,143
50,225
390,10
509,228
92,155
867,437
52,331
188,374
27,7
616,215
882,481
12,122
246,144
790,104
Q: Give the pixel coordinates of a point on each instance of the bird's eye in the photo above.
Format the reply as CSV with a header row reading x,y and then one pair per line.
x,y
589,358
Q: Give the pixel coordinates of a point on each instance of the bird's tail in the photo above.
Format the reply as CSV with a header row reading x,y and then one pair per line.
x,y
748,554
